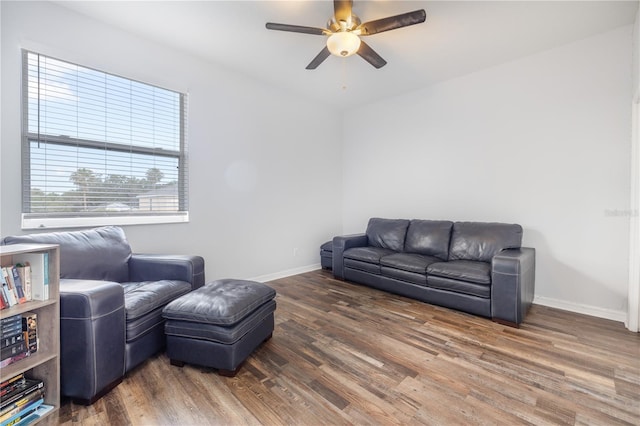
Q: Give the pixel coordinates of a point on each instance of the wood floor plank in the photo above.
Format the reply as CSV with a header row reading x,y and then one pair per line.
x,y
345,354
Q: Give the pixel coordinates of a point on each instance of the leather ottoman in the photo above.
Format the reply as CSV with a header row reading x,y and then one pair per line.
x,y
220,324
326,255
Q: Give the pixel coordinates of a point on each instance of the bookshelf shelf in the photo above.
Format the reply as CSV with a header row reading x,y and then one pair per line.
x,y
45,363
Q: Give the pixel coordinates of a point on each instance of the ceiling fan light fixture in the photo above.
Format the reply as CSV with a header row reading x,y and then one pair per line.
x,y
343,43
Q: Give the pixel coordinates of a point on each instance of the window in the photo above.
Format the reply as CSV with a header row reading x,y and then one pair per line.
x,y
100,149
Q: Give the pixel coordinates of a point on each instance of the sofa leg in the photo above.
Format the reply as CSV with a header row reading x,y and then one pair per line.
x,y
103,392
176,362
229,373
505,322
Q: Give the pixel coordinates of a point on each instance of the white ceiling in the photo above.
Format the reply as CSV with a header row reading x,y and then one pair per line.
x,y
459,37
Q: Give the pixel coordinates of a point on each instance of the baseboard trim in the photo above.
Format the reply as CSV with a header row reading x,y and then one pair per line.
x,y
286,273
579,308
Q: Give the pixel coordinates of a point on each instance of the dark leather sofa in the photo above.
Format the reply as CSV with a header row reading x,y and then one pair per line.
x,y
475,267
111,303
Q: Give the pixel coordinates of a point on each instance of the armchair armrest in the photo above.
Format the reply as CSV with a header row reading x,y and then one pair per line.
x,y
512,284
342,243
155,267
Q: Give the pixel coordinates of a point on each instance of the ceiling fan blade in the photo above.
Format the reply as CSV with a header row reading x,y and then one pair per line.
x,y
297,29
369,55
324,54
342,10
393,22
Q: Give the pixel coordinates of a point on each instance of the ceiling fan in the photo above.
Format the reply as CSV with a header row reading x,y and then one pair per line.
x,y
344,30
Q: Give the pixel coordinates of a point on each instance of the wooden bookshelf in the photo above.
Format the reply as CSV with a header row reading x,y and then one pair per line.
x,y
45,363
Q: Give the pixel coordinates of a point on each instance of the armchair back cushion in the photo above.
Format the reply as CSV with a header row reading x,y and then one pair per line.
x,y
429,237
95,254
481,241
387,233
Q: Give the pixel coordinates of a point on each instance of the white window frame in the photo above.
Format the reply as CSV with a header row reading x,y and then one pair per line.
x,y
69,220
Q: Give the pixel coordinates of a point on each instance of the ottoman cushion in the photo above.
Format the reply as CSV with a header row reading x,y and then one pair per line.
x,y
220,334
223,302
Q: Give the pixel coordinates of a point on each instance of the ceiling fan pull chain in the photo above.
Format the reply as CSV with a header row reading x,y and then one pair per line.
x,y
344,74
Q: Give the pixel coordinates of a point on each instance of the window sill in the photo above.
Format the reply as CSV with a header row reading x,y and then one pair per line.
x,y
83,222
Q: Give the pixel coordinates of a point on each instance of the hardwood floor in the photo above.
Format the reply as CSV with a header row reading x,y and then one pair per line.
x,y
346,354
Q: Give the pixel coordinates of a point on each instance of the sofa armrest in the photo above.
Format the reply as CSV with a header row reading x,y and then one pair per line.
x,y
512,284
342,243
156,267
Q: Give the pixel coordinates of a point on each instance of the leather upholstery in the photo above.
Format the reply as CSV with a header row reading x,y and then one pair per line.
x,y
144,297
367,254
387,233
95,266
342,243
220,324
218,333
464,270
88,365
94,254
481,241
475,267
429,237
222,302
411,262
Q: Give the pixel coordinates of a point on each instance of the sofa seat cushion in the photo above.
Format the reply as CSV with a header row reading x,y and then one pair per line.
x,y
140,298
410,262
463,270
367,254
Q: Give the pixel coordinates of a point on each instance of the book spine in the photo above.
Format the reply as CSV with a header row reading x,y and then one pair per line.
x,y
22,414
12,340
13,350
10,320
25,276
17,282
13,409
5,362
10,329
45,274
29,387
11,382
30,328
7,287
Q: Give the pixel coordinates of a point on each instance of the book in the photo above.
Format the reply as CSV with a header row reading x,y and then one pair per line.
x,y
17,283
23,414
39,412
15,358
10,328
21,404
30,385
15,349
25,275
30,328
7,288
11,384
11,319
11,340
39,263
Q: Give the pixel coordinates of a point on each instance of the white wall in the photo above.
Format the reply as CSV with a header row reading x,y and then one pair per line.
x,y
542,141
259,185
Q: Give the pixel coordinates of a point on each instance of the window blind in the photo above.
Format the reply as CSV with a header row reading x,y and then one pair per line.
x,y
100,145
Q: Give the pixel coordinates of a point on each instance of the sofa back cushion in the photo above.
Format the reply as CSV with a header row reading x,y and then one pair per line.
x,y
387,233
429,237
95,254
481,241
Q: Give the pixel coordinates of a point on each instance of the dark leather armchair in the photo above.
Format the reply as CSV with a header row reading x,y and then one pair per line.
x,y
111,303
